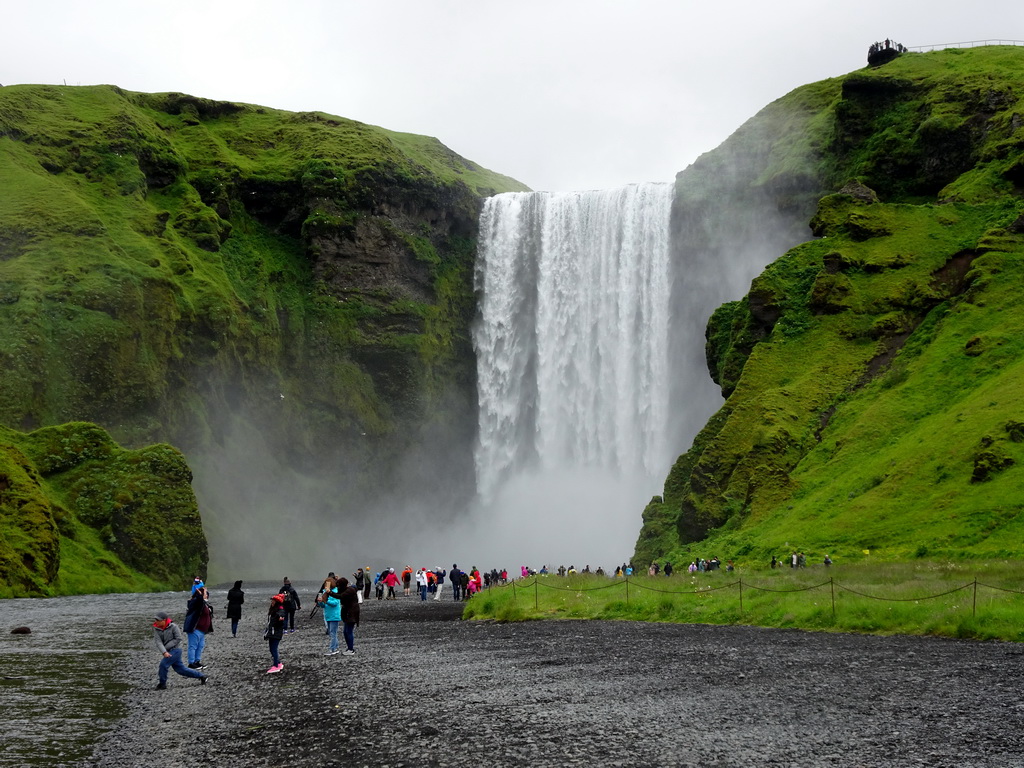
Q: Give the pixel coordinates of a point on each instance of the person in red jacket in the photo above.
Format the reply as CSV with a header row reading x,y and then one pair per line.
x,y
391,581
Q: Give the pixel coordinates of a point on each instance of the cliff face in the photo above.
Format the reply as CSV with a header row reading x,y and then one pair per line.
x,y
870,375
172,268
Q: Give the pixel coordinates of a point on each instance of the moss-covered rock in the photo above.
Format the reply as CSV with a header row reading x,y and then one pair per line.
x,y
70,493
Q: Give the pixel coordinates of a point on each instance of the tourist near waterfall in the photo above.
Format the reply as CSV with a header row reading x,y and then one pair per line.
x,y
236,598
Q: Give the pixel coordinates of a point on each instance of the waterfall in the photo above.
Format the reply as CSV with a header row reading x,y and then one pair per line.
x,y
572,338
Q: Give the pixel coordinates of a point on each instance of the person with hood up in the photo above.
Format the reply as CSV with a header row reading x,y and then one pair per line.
x,y
167,637
277,617
235,599
421,583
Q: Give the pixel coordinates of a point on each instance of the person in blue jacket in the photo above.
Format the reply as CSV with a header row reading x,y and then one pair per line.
x,y
332,615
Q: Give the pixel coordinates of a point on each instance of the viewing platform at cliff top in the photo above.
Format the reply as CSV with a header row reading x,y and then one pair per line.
x,y
880,53
968,44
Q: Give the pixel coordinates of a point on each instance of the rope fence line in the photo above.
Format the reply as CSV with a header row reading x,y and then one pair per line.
x,y
906,599
832,584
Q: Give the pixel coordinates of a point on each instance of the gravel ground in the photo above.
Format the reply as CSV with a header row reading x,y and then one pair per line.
x,y
426,689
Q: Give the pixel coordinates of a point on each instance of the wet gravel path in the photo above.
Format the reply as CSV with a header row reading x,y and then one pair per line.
x,y
426,689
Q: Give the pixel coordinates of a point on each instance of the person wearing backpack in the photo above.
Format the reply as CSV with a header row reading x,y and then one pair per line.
x,y
291,603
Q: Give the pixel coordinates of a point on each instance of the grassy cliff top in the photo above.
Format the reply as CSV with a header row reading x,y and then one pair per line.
x,y
175,126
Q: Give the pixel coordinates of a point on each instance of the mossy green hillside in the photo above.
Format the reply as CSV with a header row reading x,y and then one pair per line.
x,y
150,240
170,263
81,513
871,375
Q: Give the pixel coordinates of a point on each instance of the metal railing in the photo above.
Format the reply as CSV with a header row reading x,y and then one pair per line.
x,y
968,44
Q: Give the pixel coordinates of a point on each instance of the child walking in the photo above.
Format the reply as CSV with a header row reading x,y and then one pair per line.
x,y
167,637
277,617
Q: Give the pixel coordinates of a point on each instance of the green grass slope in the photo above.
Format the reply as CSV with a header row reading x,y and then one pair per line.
x,y
873,375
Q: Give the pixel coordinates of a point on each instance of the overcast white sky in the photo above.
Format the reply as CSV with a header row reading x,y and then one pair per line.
x,y
560,94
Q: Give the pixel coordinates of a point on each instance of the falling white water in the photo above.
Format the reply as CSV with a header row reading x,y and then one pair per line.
x,y
572,341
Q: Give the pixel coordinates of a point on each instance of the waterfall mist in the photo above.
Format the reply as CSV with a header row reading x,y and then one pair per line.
x,y
573,373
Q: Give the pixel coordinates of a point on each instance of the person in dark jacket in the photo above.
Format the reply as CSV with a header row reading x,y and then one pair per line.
x,y
456,578
167,638
349,613
291,603
360,582
277,617
235,599
198,624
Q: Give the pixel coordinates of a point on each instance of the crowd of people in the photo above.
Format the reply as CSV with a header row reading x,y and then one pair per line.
x,y
430,583
181,647
338,599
